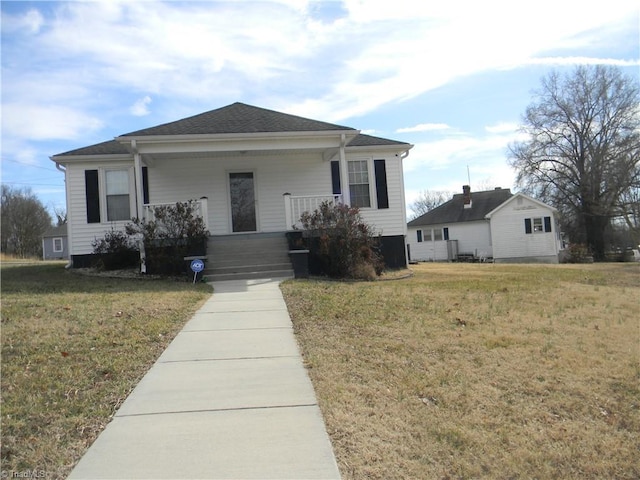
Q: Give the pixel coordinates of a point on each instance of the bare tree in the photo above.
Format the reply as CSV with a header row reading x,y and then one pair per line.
x,y
428,200
24,221
61,216
582,154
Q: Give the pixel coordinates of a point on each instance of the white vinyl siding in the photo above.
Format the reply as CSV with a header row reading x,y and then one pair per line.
x,y
180,179
392,220
81,233
472,237
508,231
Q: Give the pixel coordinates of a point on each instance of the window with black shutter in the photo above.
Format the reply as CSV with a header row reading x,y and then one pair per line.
x,y
335,177
92,193
145,185
382,194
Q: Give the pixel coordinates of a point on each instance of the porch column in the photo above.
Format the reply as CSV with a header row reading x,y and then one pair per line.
x,y
137,173
344,173
288,216
137,160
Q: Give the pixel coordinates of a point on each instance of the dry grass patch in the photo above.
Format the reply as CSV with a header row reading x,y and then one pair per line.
x,y
478,371
73,347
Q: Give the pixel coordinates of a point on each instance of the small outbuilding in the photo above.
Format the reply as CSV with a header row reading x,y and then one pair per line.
x,y
55,244
524,229
493,225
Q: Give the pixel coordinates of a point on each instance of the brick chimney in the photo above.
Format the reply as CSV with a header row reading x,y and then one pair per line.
x,y
466,195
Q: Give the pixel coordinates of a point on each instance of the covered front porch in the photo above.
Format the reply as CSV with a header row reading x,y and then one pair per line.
x,y
242,191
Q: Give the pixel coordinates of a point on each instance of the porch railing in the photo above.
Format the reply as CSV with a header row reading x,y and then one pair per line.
x,y
201,210
295,206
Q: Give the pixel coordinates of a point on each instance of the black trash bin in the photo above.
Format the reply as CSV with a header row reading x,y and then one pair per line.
x,y
300,262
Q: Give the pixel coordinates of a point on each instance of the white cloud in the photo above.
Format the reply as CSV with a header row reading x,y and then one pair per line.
x,y
503,127
370,131
424,127
141,107
30,22
553,61
462,149
42,122
372,53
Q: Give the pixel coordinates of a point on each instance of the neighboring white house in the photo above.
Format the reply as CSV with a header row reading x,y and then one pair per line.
x,y
252,170
489,225
54,243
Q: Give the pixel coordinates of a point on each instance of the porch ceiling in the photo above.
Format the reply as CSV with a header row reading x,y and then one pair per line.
x,y
151,158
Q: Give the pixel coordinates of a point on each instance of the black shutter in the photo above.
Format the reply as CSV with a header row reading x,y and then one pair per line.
x,y
445,232
145,185
419,235
547,224
92,193
335,177
381,183
527,225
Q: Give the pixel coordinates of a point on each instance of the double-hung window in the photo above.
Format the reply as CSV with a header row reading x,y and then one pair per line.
x,y
57,245
117,195
110,193
537,225
359,183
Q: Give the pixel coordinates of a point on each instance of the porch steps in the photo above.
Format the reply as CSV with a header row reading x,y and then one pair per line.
x,y
248,256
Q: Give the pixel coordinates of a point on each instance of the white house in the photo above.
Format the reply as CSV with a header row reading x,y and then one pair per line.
x,y
489,225
253,171
524,229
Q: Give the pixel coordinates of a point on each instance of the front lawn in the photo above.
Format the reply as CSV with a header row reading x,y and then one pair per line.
x,y
478,370
73,347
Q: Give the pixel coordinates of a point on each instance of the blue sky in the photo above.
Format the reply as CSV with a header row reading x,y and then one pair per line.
x,y
453,78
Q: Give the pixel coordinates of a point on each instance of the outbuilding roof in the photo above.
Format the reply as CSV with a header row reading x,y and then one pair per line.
x,y
453,211
59,231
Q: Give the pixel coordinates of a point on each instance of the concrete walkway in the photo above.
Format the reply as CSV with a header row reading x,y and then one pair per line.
x,y
228,399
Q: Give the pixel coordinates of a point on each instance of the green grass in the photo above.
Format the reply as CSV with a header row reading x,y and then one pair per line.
x,y
478,371
73,347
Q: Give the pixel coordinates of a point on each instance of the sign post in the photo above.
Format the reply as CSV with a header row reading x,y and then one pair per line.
x,y
197,266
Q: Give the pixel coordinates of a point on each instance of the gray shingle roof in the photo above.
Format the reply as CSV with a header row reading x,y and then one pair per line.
x,y
235,118
238,118
110,147
363,140
59,231
453,211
